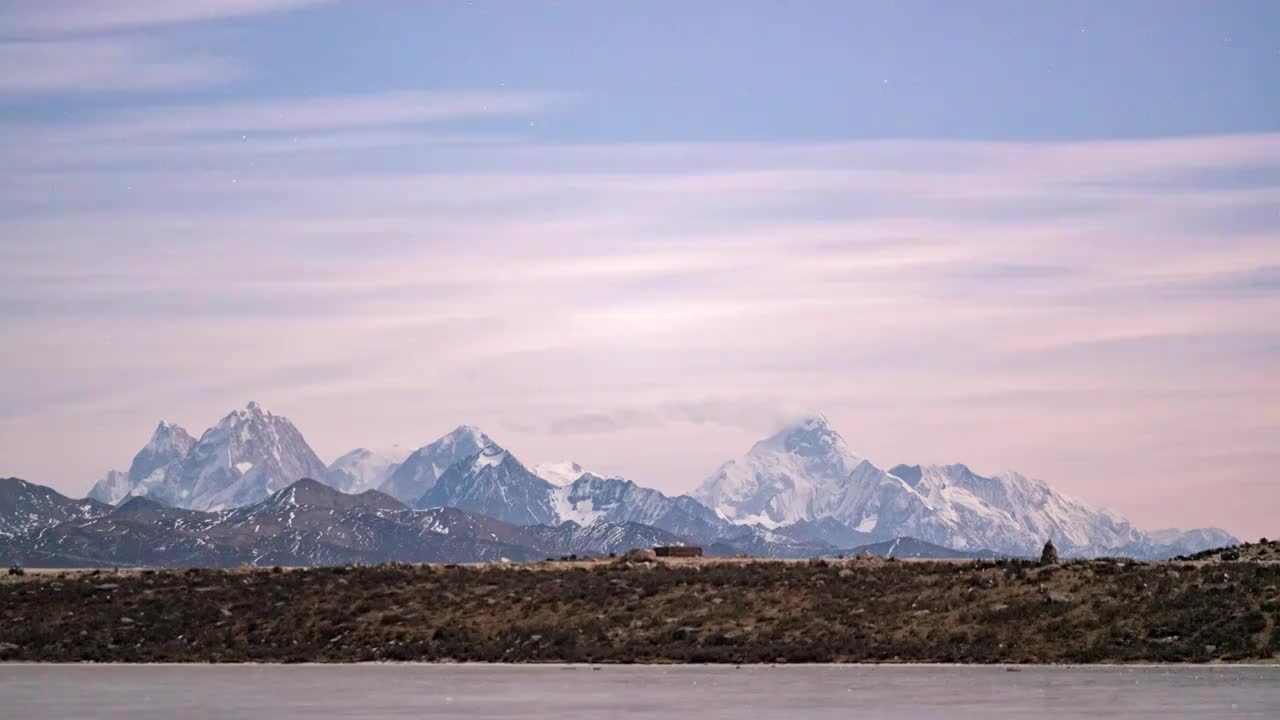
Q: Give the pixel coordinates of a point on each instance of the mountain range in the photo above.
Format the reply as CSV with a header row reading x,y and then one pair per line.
x,y
247,455
798,493
807,473
306,523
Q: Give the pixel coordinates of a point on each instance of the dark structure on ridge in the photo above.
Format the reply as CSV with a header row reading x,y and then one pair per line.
x,y
1049,556
678,551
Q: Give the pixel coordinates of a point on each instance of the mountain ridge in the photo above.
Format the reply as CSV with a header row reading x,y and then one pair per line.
x,y
801,487
798,476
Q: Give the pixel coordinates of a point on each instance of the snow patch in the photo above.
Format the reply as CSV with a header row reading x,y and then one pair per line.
x,y
561,473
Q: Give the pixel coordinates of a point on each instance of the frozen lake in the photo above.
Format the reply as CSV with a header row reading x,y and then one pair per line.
x,y
109,692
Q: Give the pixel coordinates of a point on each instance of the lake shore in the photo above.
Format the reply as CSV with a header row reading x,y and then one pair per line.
x,y
709,611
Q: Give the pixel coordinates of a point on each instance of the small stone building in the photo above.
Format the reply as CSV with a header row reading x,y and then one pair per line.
x,y
678,551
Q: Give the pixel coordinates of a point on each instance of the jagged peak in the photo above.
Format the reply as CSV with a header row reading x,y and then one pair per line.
x,y
166,431
810,435
252,411
590,479
805,424
469,431
462,433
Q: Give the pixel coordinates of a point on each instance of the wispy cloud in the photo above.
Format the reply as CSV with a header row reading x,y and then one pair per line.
x,y
100,64
324,113
84,16
84,46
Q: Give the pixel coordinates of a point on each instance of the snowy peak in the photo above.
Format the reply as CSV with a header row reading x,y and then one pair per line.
x,y
168,446
112,488
810,437
250,410
420,471
153,470
465,435
247,456
806,473
363,469
493,482
561,473
790,476
169,438
592,499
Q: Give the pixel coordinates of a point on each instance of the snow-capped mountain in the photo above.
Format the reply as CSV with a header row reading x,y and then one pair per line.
x,y
420,471
1006,512
247,456
561,473
793,475
306,523
805,473
26,507
591,499
492,482
801,491
112,488
1171,542
363,469
155,469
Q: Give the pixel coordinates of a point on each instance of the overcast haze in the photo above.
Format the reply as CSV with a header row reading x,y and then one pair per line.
x,y
1032,236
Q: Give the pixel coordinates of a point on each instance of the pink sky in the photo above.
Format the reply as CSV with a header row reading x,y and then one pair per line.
x,y
382,240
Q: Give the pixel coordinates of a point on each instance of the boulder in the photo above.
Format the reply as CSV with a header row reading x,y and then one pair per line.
x,y
640,555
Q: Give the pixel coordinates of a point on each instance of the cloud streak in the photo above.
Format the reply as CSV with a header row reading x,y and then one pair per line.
x,y
90,16
102,64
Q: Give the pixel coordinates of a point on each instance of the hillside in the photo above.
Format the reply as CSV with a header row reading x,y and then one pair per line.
x,y
1262,551
617,612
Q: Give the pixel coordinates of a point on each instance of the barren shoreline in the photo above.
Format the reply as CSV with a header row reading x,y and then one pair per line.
x,y
587,614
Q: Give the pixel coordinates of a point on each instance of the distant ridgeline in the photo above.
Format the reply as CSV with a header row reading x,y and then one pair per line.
x,y
250,490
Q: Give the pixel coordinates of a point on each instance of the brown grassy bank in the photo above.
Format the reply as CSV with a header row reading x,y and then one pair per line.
x,y
849,611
